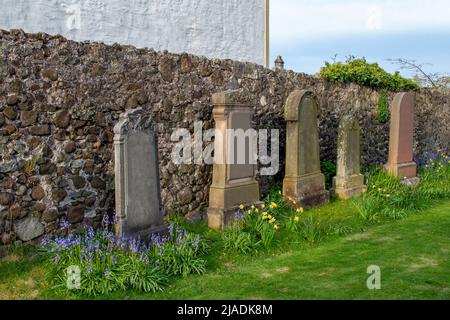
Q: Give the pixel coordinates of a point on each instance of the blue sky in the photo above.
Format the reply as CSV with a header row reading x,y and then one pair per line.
x,y
308,32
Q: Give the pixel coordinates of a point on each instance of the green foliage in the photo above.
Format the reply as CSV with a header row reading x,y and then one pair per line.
x,y
329,171
311,230
180,254
235,240
359,71
367,207
383,108
107,264
29,166
388,198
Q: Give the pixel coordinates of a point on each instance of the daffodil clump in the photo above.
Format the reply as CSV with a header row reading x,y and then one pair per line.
x,y
388,197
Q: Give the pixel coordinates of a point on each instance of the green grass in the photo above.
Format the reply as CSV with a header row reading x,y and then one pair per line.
x,y
413,255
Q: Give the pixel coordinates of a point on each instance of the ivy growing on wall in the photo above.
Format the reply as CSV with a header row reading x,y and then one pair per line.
x,y
383,108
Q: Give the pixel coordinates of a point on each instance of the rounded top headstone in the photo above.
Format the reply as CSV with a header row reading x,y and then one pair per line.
x,y
294,103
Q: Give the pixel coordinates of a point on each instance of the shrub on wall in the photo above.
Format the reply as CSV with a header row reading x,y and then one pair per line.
x,y
359,71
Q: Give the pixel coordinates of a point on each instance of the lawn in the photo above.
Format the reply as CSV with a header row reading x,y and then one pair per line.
x,y
413,254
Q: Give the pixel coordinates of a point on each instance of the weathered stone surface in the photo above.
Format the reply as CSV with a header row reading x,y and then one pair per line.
x,y
6,198
349,182
2,119
10,112
50,215
234,180
47,168
78,182
40,130
38,207
17,212
8,166
29,228
75,214
401,138
166,69
303,181
62,119
12,99
185,196
69,147
28,118
138,201
58,195
98,183
38,193
6,239
50,73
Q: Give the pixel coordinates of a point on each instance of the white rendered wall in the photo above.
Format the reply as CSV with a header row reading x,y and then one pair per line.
x,y
214,28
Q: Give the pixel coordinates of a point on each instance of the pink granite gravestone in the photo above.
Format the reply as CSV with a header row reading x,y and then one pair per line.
x,y
400,162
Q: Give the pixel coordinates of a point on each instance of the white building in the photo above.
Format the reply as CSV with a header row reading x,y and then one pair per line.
x,y
235,29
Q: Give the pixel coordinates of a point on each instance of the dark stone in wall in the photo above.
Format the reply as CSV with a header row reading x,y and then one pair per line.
x,y
59,104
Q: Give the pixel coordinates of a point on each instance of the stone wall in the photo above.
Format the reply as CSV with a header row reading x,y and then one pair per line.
x,y
59,102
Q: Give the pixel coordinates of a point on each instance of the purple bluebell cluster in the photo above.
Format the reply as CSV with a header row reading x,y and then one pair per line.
x,y
239,215
431,158
100,250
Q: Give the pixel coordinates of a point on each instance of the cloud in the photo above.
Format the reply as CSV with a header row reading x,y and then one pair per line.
x,y
375,19
305,19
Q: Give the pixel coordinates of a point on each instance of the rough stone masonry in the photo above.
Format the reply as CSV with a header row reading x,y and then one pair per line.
x,y
60,100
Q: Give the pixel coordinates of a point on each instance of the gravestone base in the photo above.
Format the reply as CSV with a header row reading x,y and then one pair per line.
x,y
143,234
308,191
411,182
348,187
224,202
402,170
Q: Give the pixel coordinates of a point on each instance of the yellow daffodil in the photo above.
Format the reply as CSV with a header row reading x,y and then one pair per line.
x,y
297,219
249,212
272,220
263,206
256,210
276,227
253,207
299,210
241,207
273,205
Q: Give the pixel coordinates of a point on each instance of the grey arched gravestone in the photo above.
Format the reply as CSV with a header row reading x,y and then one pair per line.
x,y
349,182
137,186
303,181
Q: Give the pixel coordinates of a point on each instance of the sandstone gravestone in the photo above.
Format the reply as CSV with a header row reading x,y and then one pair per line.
x,y
138,209
303,181
349,182
400,162
234,165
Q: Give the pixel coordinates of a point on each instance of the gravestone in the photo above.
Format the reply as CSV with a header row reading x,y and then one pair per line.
x,y
234,182
349,182
303,180
400,163
137,188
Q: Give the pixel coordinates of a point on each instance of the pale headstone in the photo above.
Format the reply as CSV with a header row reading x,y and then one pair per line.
x,y
349,182
234,182
137,187
303,181
400,162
